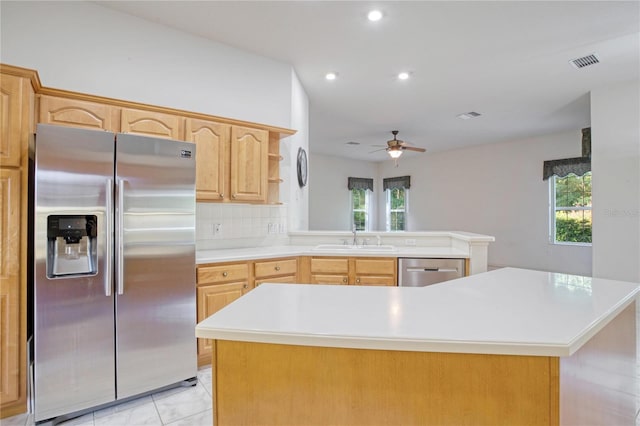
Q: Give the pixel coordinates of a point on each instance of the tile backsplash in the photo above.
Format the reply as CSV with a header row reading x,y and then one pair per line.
x,y
221,226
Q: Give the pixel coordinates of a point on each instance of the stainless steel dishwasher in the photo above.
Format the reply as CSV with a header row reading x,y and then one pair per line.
x,y
423,272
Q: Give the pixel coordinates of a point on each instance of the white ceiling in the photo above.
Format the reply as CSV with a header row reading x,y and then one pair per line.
x,y
507,60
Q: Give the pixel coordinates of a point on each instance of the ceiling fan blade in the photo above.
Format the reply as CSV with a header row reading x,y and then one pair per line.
x,y
413,148
380,146
381,149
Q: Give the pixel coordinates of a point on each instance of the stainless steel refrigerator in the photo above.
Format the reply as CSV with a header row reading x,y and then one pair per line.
x,y
114,303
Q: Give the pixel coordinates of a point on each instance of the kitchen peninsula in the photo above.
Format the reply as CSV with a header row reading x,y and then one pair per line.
x,y
510,346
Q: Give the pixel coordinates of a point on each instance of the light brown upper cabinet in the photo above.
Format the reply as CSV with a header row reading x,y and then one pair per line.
x,y
13,116
249,164
212,141
77,113
154,124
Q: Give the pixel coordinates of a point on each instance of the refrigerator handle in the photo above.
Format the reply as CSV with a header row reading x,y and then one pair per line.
x,y
120,227
108,238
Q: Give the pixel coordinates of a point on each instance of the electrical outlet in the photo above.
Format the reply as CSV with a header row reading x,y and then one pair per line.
x,y
217,228
410,242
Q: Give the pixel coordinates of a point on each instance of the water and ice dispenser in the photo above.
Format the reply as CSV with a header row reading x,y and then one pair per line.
x,y
71,245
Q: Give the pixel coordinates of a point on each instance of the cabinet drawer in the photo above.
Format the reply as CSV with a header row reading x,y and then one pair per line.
x,y
329,265
286,279
388,280
379,266
276,267
222,273
329,279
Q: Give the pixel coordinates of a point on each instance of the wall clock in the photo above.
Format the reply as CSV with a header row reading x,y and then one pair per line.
x,y
302,167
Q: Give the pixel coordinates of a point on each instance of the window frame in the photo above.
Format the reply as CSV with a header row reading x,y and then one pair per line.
x,y
388,210
553,209
366,210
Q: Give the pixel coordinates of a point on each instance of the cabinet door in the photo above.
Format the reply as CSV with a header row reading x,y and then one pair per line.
x,y
12,103
75,113
211,299
211,140
154,124
249,164
10,343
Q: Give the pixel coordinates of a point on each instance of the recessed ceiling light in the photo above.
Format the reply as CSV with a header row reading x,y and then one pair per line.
x,y
331,76
403,75
374,15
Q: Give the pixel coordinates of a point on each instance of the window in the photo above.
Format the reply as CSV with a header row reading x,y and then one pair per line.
x,y
571,209
360,209
397,209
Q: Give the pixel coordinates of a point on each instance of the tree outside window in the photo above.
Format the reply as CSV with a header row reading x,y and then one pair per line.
x,y
396,209
571,214
360,209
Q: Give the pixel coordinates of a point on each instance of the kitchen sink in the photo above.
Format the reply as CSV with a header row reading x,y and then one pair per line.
x,y
348,248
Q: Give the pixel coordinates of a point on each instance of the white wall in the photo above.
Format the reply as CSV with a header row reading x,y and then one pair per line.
x,y
498,190
84,47
492,189
615,133
293,195
329,198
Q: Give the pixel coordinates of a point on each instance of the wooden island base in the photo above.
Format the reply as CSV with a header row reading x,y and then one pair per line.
x,y
275,384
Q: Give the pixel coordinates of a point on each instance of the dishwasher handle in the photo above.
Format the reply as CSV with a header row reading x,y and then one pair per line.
x,y
436,269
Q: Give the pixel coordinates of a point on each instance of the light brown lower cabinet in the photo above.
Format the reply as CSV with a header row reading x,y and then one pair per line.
x,y
217,286
350,270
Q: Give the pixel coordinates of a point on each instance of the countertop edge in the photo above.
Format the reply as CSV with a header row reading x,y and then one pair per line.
x,y
346,342
228,255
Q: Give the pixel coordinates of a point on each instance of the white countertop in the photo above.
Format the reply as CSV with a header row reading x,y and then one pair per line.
x,y
230,255
506,311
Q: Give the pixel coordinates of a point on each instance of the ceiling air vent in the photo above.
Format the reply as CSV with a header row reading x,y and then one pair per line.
x,y
468,115
585,61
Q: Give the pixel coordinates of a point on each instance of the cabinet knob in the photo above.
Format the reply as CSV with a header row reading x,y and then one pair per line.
x,y
277,268
233,195
344,280
225,273
245,286
357,280
221,195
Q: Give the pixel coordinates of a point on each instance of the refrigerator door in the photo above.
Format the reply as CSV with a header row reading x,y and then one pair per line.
x,y
155,263
73,302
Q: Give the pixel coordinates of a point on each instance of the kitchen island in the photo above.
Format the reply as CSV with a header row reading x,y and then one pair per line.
x,y
509,346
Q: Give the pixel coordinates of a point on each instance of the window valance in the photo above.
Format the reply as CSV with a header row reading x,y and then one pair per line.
x,y
396,182
578,166
360,183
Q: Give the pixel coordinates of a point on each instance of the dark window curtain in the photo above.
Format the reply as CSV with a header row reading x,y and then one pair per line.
x,y
578,166
360,183
396,182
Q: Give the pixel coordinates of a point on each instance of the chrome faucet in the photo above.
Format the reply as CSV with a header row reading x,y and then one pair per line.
x,y
355,229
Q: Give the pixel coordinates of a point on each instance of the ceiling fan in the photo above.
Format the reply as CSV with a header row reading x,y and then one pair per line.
x,y
395,146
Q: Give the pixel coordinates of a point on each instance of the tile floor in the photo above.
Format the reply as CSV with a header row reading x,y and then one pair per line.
x,y
176,407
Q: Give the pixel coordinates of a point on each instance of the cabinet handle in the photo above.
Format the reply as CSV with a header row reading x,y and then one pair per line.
x,y
225,273
344,280
277,268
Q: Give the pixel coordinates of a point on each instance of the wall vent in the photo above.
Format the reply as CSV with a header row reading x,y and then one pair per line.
x,y
585,61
